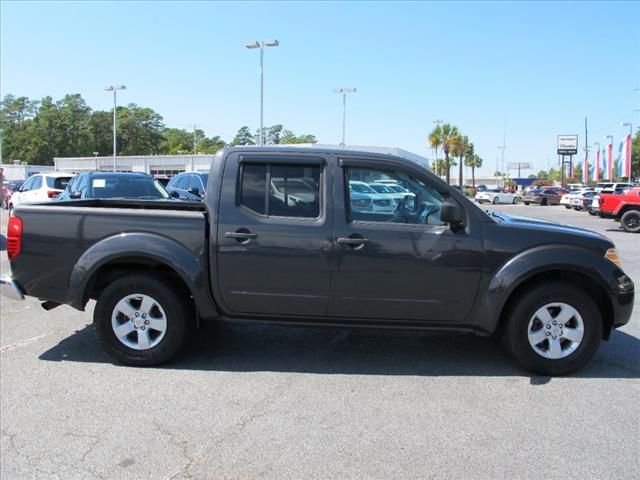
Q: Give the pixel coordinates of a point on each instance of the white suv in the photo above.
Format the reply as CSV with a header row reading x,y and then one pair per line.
x,y
41,187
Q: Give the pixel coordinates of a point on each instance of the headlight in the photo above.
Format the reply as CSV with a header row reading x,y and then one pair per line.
x,y
612,256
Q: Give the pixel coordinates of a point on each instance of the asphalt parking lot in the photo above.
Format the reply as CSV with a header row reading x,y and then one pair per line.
x,y
252,401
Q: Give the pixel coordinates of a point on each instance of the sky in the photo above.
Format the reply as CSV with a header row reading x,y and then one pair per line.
x,y
537,68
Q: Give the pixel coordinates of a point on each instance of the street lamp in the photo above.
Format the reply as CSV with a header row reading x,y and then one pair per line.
x,y
628,124
114,89
344,92
261,44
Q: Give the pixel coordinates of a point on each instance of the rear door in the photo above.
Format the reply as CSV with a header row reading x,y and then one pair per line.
x,y
274,234
405,265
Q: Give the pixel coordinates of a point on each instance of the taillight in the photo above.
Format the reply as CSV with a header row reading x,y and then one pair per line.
x,y
14,237
53,194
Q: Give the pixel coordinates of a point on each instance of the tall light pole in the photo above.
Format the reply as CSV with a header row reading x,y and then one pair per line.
x,y
344,92
261,44
114,89
628,124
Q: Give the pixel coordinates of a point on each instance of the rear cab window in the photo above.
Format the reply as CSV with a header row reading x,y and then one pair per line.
x,y
58,183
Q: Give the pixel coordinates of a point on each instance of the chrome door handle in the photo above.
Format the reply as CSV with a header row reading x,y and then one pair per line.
x,y
353,241
241,235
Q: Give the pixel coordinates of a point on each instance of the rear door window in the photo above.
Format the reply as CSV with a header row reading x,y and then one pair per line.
x,y
37,183
281,190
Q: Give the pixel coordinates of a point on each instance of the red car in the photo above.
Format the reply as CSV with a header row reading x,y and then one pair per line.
x,y
625,208
8,187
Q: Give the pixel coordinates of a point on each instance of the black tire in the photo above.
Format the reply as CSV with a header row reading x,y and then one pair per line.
x,y
177,310
515,330
630,221
526,203
495,200
591,212
568,207
543,202
516,200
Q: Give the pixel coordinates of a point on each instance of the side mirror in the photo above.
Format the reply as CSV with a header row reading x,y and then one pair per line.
x,y
451,213
194,191
75,195
174,194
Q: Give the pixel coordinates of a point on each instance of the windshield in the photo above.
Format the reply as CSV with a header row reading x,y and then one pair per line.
x,y
127,187
378,187
361,188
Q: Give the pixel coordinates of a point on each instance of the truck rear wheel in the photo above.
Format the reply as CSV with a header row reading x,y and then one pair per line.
x,y
630,221
141,320
553,329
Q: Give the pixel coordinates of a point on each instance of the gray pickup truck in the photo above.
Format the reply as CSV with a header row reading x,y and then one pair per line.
x,y
282,238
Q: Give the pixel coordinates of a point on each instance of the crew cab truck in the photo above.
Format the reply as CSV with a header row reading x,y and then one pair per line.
x,y
624,208
437,261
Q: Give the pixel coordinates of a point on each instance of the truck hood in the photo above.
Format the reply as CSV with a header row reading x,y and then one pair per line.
x,y
578,234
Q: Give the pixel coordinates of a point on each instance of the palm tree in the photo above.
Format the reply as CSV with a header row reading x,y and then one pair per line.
x,y
449,133
435,140
459,149
474,161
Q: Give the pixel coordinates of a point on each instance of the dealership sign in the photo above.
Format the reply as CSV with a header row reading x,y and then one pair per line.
x,y
567,144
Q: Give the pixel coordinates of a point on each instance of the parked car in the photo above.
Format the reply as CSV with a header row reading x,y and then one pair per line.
x,y
567,198
41,187
582,200
481,188
163,179
603,186
188,186
87,185
381,202
158,269
545,196
387,190
8,187
624,208
497,195
617,187
361,202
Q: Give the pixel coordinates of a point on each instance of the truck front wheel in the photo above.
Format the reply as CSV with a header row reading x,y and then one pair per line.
x,y
630,221
141,320
553,329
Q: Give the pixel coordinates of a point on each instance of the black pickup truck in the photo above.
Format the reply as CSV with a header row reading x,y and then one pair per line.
x,y
281,238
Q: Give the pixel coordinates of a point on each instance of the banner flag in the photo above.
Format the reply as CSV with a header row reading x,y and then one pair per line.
x,y
610,162
620,149
626,168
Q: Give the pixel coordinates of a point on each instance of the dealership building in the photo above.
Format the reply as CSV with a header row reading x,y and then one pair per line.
x,y
170,165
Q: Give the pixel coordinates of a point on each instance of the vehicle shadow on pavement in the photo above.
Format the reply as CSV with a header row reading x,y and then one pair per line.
x,y
322,350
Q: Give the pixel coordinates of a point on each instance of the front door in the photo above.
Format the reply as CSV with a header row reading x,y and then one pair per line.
x,y
403,264
274,235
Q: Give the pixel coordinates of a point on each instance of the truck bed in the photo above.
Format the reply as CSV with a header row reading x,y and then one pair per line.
x,y
60,237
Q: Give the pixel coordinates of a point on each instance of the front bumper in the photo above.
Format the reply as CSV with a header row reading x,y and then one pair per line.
x,y
10,289
622,300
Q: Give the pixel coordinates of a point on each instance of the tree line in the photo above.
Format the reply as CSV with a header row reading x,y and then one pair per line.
x,y
454,144
36,131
